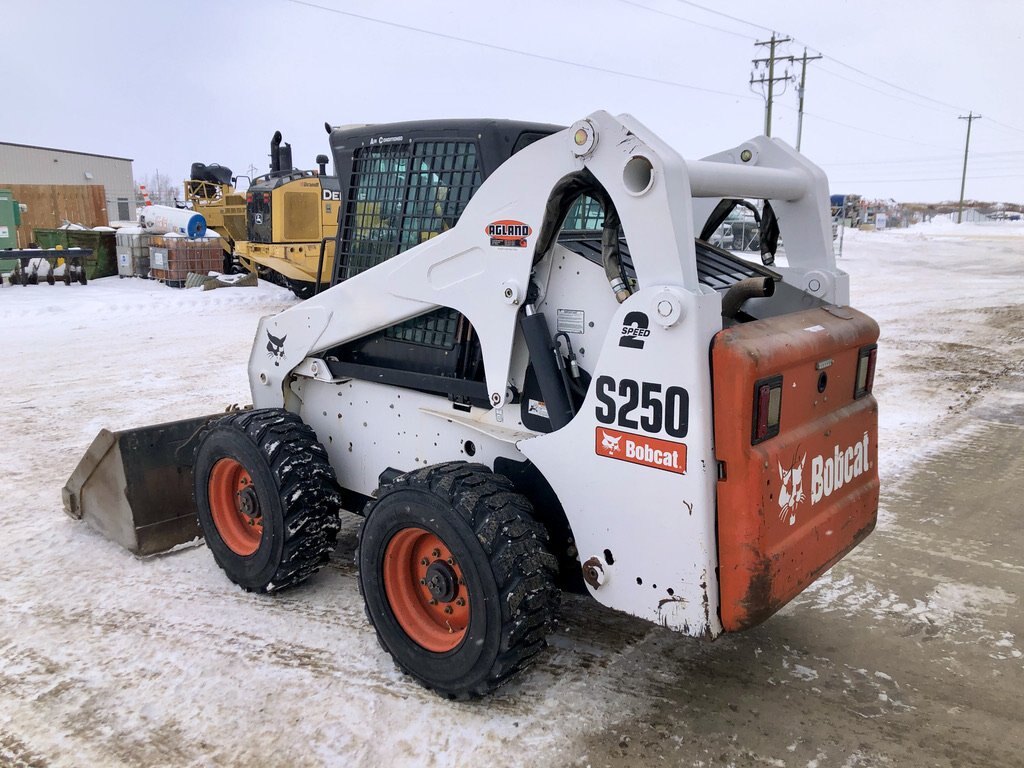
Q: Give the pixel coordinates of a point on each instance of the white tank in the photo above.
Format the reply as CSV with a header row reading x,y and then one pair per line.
x,y
162,219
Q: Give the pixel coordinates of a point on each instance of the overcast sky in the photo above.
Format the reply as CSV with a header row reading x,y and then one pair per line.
x,y
170,83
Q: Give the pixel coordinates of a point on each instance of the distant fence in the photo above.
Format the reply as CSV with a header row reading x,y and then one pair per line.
x,y
971,216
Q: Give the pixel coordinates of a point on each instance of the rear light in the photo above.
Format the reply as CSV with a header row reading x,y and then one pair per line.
x,y
767,409
248,197
865,371
266,197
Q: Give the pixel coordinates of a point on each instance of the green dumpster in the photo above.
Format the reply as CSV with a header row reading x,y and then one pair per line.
x,y
102,263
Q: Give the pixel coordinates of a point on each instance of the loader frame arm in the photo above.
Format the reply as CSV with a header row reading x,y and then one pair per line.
x,y
652,189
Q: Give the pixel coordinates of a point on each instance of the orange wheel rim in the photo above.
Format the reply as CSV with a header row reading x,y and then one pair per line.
x,y
234,507
426,590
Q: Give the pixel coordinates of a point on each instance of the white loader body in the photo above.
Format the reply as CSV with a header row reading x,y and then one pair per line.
x,y
635,469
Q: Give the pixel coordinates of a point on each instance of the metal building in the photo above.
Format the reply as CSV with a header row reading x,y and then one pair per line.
x,y
26,164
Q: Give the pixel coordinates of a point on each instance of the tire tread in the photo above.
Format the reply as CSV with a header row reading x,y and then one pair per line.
x,y
305,483
516,546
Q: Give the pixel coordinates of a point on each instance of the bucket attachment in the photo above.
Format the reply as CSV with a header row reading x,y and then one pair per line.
x,y
135,486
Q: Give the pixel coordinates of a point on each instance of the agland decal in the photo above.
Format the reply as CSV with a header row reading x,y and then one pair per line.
x,y
640,449
508,233
828,475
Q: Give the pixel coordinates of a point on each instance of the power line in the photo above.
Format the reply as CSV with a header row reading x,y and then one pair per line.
x,y
891,85
980,157
1004,125
883,81
865,86
866,130
689,21
909,181
725,15
516,51
647,78
818,51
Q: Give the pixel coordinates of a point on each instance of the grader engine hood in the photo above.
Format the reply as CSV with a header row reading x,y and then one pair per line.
x,y
796,436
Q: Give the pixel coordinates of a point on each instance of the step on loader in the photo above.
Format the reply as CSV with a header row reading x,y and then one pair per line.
x,y
529,374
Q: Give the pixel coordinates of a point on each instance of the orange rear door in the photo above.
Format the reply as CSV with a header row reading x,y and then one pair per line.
x,y
796,438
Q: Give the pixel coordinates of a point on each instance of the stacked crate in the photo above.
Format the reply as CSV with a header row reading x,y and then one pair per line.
x,y
173,257
132,252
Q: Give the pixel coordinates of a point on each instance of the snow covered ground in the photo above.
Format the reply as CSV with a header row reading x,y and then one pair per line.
x,y
110,660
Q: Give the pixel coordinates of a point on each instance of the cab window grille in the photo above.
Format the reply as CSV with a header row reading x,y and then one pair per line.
x,y
402,195
373,214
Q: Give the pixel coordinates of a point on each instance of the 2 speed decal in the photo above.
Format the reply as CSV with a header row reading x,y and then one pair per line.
x,y
635,330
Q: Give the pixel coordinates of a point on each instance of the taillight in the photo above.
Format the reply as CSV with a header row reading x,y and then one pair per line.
x,y
767,409
865,371
266,197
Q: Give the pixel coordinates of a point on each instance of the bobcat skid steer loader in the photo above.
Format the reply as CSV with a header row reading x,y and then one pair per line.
x,y
566,389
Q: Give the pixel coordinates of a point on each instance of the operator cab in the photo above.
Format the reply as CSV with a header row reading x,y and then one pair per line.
x,y
403,184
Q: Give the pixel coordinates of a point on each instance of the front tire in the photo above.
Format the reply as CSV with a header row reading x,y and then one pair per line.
x,y
267,498
456,576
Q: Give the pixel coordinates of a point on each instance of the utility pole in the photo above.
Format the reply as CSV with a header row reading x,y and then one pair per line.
x,y
800,92
771,79
971,117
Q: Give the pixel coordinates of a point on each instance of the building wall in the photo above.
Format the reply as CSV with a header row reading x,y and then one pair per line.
x,y
21,164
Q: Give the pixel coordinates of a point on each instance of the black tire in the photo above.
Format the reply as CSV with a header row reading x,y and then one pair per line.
x,y
302,289
294,496
499,554
49,278
82,277
67,274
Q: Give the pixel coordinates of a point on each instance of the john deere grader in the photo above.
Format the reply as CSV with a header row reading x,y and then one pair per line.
x,y
528,371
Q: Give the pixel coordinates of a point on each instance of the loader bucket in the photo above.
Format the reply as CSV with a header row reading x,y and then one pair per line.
x,y
135,486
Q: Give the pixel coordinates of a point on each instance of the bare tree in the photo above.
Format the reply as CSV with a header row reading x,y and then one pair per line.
x,y
161,188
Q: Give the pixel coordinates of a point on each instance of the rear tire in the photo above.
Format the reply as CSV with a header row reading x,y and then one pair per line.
x,y
456,576
267,498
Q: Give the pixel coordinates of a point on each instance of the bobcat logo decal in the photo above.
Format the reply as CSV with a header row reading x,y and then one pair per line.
x,y
275,347
792,491
609,443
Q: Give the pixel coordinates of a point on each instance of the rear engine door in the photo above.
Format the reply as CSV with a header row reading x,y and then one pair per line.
x,y
796,431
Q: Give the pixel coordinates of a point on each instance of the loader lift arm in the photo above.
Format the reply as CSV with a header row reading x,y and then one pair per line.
x,y
645,179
